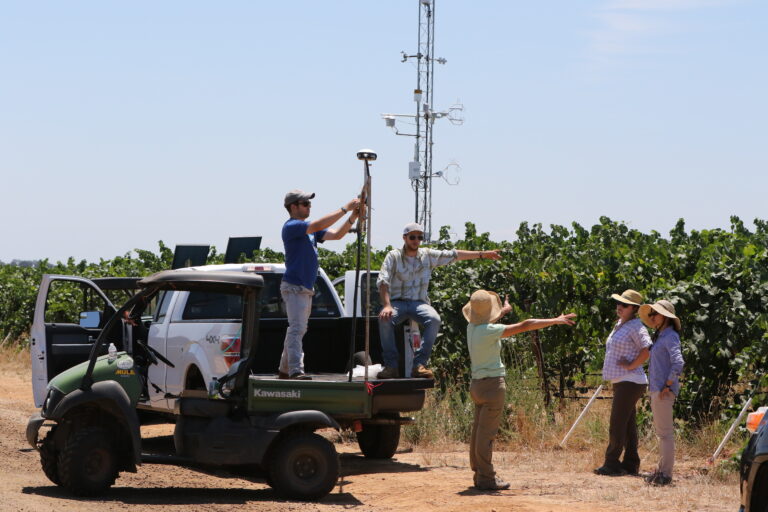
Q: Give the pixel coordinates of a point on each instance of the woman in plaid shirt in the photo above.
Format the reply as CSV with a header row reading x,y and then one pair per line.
x,y
626,349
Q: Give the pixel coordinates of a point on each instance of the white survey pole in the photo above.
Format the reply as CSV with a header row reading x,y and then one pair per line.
x,y
730,431
586,408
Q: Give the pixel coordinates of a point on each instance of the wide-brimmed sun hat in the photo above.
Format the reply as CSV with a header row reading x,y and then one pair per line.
x,y
628,297
662,307
483,307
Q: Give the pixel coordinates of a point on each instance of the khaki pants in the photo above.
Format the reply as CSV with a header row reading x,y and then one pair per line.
x,y
489,395
665,431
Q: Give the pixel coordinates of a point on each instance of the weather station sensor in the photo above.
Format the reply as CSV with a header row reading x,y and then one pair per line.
x,y
414,170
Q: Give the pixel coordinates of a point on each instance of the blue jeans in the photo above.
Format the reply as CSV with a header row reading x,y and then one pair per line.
x,y
298,305
416,310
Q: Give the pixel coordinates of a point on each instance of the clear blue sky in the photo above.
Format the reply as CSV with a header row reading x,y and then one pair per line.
x,y
124,123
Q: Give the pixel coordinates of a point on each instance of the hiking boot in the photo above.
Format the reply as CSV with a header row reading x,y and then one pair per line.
x,y
659,479
497,485
650,476
608,471
388,373
419,372
631,470
300,376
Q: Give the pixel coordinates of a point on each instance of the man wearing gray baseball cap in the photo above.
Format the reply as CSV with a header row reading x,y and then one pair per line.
x,y
403,284
300,239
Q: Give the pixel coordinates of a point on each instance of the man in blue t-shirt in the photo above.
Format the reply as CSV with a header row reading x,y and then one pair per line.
x,y
300,238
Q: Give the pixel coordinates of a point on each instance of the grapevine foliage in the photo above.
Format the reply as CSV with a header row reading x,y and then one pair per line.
x,y
717,279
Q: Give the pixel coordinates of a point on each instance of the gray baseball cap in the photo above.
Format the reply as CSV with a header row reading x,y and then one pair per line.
x,y
412,226
297,195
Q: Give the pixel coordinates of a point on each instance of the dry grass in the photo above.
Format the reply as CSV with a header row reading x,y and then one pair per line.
x,y
530,428
14,358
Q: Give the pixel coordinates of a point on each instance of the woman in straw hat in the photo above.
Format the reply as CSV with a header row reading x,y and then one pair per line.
x,y
626,349
488,390
664,371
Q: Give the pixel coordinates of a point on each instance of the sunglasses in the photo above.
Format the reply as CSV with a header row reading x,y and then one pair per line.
x,y
652,314
415,237
304,203
622,305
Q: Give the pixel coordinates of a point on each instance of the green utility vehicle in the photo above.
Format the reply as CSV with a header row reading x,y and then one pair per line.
x,y
254,424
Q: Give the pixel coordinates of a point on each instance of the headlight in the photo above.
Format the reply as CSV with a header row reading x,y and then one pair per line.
x,y
52,399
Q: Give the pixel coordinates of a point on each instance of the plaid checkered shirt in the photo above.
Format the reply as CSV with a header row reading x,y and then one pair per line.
x,y
623,346
408,278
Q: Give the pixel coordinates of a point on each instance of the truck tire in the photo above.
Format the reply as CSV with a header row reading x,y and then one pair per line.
x,y
304,466
49,457
379,441
759,499
88,462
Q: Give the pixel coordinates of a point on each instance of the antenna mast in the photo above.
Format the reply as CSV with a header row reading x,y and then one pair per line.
x,y
420,169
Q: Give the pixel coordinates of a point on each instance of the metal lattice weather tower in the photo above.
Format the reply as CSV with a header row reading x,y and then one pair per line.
x,y
420,170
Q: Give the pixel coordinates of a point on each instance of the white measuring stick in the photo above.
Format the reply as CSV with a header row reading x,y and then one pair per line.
x,y
586,408
730,431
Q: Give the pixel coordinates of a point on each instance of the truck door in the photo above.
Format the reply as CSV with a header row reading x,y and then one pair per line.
x,y
156,338
348,283
70,313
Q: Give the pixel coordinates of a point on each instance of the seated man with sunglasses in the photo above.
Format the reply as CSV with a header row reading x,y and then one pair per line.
x,y
403,283
300,238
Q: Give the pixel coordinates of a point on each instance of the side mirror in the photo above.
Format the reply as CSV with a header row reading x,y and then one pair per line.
x,y
90,319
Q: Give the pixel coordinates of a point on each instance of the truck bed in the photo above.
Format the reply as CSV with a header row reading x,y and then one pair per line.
x,y
335,395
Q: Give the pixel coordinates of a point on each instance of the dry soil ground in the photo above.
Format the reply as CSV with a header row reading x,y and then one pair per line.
x,y
421,479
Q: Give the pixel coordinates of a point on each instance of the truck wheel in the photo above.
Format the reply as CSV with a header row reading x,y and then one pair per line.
x,y
49,458
303,466
379,441
759,501
88,462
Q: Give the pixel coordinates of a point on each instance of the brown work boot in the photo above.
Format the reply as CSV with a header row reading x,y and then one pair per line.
x,y
419,372
388,373
497,485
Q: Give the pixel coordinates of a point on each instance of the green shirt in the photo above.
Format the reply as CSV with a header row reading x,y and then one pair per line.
x,y
484,342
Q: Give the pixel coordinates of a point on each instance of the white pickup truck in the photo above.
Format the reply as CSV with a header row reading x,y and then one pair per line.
x,y
198,332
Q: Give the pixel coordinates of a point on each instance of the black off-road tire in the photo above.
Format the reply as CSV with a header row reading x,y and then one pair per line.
x,y
379,441
303,466
49,457
759,501
88,462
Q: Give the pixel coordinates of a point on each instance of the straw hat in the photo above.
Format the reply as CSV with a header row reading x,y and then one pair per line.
x,y
662,307
629,297
483,307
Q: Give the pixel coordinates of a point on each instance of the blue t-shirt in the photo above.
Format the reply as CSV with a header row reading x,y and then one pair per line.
x,y
301,253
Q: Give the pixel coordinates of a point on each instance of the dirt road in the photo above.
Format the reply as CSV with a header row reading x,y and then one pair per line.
x,y
415,480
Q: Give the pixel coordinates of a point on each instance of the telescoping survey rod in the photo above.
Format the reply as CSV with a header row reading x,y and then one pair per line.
x,y
586,408
363,228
